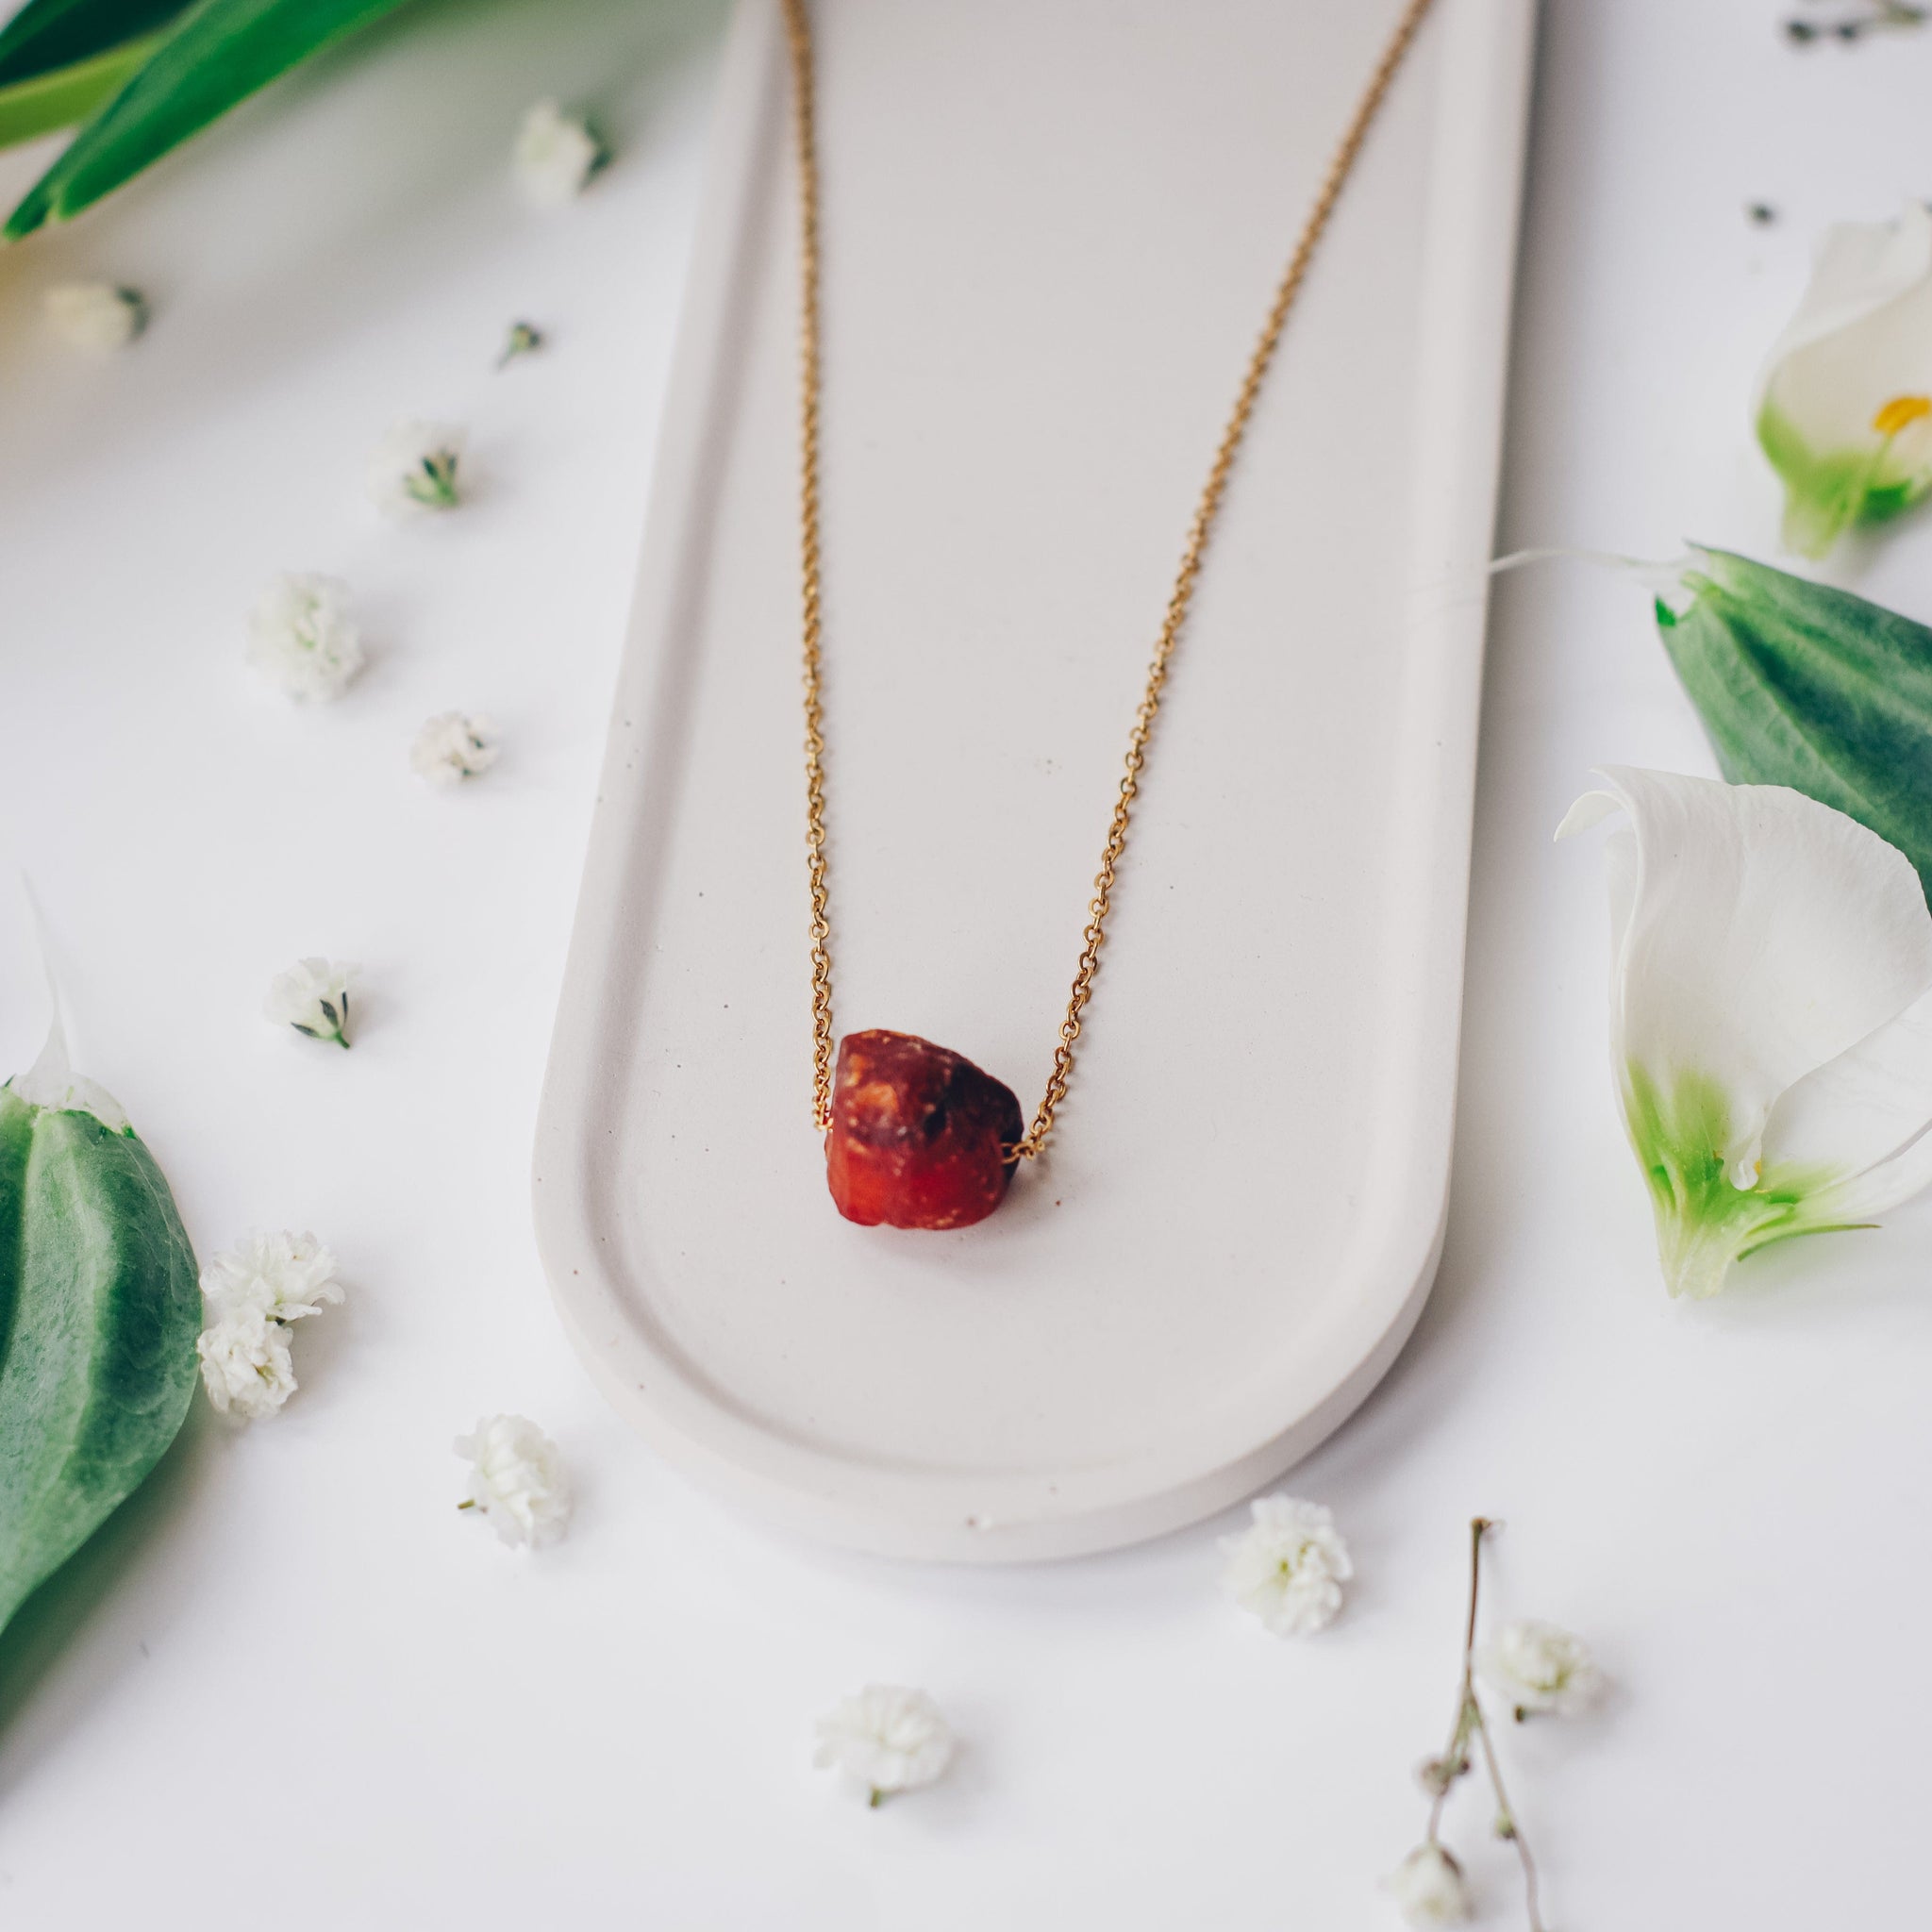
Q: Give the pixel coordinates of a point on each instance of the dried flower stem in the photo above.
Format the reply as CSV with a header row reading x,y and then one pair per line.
x,y
1506,1826
1471,1725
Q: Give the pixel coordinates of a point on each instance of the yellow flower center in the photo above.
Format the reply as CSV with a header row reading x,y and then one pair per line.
x,y
1899,411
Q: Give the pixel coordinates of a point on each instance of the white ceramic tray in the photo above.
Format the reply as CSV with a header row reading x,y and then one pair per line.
x,y
1051,230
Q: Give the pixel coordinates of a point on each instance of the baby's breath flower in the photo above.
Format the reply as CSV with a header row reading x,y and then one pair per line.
x,y
554,155
287,1276
886,1738
300,633
451,747
245,1363
414,468
254,1291
517,1481
1428,1888
312,996
1539,1667
1288,1566
95,316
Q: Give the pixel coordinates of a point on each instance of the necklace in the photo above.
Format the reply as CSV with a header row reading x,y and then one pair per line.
x,y
917,1136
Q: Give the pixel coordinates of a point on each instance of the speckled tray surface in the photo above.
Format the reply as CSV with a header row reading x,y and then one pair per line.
x,y
1052,227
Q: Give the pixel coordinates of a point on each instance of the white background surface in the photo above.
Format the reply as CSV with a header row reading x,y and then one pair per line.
x,y
293,1687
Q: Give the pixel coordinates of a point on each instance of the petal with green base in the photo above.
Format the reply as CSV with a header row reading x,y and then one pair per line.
x,y
1705,1220
1829,492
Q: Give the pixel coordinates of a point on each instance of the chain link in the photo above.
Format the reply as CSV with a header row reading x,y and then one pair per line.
x,y
1093,936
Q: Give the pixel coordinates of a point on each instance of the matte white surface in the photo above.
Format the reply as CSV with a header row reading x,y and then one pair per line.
x,y
1013,443
300,1690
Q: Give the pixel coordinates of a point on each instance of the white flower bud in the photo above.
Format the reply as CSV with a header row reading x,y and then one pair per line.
x,y
245,1364
414,469
517,1481
301,635
287,1276
886,1738
1539,1667
1288,1566
451,747
253,1293
95,316
554,155
312,996
1428,1888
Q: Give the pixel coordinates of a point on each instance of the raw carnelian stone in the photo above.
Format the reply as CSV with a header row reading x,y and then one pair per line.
x,y
919,1136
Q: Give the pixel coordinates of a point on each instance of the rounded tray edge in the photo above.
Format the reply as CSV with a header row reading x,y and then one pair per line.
x,y
946,1521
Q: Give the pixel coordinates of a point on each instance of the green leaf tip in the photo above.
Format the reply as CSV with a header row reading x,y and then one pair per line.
x,y
221,52
1803,685
44,103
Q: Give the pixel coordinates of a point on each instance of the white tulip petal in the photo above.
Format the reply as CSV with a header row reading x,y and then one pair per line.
x,y
1862,267
1844,406
1763,934
1863,1110
1771,1015
1858,1202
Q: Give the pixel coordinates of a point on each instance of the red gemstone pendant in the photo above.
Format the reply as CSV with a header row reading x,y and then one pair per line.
x,y
920,1137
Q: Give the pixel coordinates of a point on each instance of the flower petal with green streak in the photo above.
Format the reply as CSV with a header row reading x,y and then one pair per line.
x,y
1771,1015
99,1310
1845,406
1828,491
1799,684
1704,1222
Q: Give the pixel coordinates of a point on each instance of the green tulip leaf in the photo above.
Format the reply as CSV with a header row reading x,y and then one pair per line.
x,y
222,51
1799,684
99,1311
44,102
47,35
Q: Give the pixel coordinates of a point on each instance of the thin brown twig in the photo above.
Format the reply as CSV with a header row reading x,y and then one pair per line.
x,y
1454,1761
1505,1815
1471,1723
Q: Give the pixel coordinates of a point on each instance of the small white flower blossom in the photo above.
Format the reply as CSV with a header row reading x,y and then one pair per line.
x,y
312,996
554,155
414,468
1288,1566
517,1481
1539,1667
886,1738
1428,1888
95,316
286,1275
301,635
451,747
245,1363
254,1291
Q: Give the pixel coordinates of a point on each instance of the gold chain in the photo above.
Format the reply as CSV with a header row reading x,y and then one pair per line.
x,y
798,32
